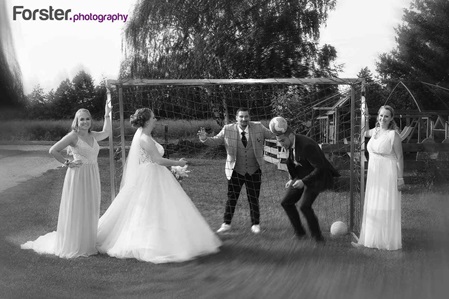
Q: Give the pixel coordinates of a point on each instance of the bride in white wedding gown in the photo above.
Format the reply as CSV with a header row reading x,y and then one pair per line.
x,y
152,219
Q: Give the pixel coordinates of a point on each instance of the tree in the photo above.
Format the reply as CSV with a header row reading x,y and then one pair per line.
x,y
38,104
375,94
73,95
227,39
67,99
83,91
325,63
421,55
64,105
11,91
98,101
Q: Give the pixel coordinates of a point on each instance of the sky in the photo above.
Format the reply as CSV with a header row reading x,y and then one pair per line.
x,y
50,51
361,30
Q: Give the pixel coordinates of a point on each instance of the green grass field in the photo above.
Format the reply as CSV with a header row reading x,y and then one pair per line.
x,y
272,264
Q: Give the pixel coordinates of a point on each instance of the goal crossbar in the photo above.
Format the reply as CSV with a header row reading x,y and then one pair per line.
x,y
305,81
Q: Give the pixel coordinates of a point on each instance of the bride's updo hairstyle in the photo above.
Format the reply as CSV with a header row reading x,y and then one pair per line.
x,y
140,117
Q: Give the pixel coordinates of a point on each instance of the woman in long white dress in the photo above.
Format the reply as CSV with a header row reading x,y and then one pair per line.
x,y
76,232
381,222
152,219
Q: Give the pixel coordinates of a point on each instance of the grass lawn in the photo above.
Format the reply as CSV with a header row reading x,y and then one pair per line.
x,y
270,265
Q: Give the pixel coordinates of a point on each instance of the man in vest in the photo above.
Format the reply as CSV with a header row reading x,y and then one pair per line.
x,y
244,143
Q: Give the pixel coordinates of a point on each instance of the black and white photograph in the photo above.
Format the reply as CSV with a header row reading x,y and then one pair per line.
x,y
224,149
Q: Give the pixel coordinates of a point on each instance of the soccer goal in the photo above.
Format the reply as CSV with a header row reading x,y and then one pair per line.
x,y
329,110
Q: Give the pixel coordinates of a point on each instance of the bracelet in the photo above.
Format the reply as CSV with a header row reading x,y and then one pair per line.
x,y
106,116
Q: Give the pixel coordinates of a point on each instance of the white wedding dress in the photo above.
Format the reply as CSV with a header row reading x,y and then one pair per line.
x,y
152,219
381,223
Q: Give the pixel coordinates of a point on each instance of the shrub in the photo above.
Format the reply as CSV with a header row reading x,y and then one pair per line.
x,y
53,130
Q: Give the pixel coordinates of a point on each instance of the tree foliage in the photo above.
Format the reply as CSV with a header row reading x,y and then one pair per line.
x,y
375,93
11,91
38,104
421,55
227,39
70,96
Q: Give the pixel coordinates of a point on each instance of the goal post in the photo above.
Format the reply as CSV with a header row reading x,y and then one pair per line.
x,y
325,109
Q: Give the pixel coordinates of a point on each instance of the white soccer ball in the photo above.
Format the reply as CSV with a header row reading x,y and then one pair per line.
x,y
278,125
339,228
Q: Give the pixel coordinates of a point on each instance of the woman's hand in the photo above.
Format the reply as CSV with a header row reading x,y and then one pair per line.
x,y
73,164
108,106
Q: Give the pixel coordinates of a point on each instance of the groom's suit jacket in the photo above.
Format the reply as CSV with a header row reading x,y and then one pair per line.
x,y
310,165
229,135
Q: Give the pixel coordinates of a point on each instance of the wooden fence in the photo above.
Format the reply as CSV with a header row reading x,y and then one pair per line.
x,y
419,158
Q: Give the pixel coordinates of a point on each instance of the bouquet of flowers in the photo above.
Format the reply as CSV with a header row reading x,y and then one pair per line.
x,y
180,172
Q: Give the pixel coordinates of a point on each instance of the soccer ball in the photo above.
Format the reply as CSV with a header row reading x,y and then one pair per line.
x,y
339,228
278,125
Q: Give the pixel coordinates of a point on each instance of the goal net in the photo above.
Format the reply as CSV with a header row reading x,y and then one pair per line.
x,y
327,110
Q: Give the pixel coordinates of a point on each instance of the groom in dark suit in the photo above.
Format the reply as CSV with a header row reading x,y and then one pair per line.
x,y
310,173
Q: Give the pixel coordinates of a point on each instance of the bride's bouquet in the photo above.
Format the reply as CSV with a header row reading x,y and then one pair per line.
x,y
180,172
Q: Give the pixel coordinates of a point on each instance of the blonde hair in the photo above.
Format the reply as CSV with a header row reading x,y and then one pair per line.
x,y
392,125
75,125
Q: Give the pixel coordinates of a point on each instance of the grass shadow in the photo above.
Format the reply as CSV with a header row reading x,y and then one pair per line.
x,y
272,264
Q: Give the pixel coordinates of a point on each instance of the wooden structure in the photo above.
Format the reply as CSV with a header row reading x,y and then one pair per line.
x,y
425,124
424,133
329,119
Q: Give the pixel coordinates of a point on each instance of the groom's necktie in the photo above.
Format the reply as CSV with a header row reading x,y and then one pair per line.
x,y
244,140
290,155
